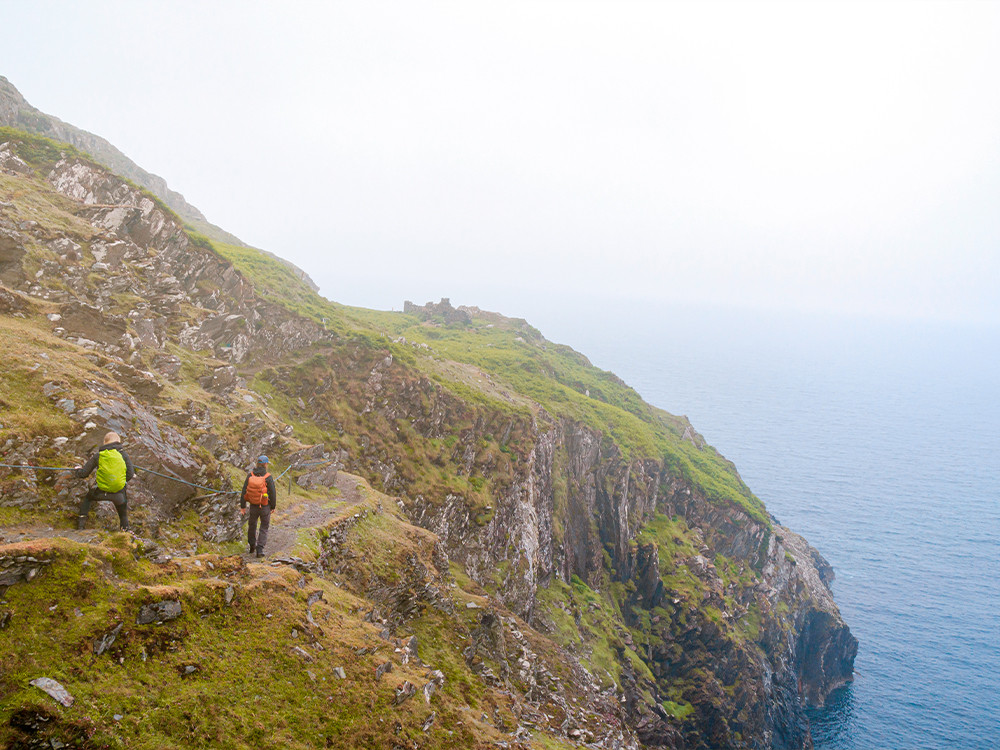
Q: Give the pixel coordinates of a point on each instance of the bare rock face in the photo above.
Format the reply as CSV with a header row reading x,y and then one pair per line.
x,y
16,112
609,502
590,532
10,162
11,246
824,654
144,251
11,302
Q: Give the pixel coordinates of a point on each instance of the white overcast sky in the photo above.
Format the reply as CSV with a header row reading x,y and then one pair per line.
x,y
799,156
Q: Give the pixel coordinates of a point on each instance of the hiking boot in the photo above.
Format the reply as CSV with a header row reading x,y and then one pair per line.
x,y
81,522
260,552
250,549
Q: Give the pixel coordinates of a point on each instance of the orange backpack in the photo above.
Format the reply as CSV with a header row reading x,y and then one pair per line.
x,y
256,493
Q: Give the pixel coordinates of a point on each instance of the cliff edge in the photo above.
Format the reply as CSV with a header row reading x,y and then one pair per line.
x,y
622,563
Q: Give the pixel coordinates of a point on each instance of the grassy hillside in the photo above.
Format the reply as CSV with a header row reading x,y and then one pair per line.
x,y
252,659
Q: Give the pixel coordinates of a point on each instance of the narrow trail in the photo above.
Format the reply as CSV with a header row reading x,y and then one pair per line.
x,y
290,517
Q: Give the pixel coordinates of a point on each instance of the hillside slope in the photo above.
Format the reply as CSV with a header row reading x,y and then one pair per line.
x,y
599,530
16,112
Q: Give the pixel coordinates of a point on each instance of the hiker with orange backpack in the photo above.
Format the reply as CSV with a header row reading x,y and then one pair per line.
x,y
259,491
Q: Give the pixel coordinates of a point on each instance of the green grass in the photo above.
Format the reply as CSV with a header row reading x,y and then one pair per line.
x,y
595,636
261,691
678,710
276,282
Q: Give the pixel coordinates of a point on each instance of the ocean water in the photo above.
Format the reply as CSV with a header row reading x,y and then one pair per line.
x,y
880,443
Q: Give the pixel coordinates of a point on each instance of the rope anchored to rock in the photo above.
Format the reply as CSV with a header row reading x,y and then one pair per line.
x,y
211,490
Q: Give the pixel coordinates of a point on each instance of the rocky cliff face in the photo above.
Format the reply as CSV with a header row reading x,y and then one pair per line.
x,y
16,112
731,616
121,278
709,624
778,641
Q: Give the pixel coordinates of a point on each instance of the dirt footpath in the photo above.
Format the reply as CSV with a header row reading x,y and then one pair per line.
x,y
301,513
288,519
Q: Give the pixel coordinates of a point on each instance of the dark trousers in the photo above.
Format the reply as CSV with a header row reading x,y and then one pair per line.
x,y
262,512
119,499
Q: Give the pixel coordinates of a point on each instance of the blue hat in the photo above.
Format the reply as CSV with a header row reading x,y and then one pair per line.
x,y
262,460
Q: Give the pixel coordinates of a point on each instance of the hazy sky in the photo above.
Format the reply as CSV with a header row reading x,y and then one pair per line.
x,y
807,156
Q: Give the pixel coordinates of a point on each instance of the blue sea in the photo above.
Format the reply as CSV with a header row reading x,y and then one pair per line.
x,y
880,443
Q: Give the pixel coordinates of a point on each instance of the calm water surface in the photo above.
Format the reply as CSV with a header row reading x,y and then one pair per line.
x,y
880,442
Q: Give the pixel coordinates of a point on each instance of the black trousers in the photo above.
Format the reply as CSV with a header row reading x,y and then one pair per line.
x,y
260,513
119,499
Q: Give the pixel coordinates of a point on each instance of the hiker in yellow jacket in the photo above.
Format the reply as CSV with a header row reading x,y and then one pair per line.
x,y
114,469
259,491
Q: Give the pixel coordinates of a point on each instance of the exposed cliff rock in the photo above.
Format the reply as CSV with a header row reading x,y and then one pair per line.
x,y
16,112
730,644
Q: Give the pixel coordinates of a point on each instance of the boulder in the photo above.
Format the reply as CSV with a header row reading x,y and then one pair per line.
x,y
411,645
323,476
168,365
66,247
429,721
159,612
222,380
90,322
11,302
19,568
